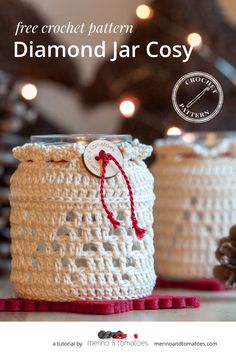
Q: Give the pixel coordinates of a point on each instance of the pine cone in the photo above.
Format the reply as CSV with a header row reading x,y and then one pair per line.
x,y
226,255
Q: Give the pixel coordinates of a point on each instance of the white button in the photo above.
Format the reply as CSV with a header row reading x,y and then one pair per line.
x,y
94,166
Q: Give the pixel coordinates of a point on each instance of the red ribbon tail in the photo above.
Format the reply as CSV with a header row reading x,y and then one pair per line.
x,y
114,222
140,233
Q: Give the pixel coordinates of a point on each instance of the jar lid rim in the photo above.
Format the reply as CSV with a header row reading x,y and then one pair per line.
x,y
199,137
78,138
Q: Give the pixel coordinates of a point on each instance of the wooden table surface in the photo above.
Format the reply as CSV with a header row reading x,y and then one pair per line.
x,y
215,306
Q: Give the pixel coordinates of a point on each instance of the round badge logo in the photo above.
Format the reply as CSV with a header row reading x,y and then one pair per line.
x,y
204,100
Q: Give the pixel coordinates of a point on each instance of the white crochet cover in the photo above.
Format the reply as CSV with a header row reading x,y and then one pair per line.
x,y
196,206
63,245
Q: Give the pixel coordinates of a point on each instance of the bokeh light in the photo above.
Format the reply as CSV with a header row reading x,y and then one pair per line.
x,y
174,131
29,91
194,39
144,12
128,107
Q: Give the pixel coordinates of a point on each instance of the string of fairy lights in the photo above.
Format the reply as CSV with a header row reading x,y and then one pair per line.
x,y
129,106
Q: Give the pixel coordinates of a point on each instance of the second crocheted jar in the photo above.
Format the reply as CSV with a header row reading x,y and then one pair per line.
x,y
64,246
196,185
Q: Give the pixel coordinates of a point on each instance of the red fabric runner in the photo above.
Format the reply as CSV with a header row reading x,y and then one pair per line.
x,y
153,302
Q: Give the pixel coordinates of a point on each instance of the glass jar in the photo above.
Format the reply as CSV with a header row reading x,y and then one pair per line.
x,y
196,184
75,235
